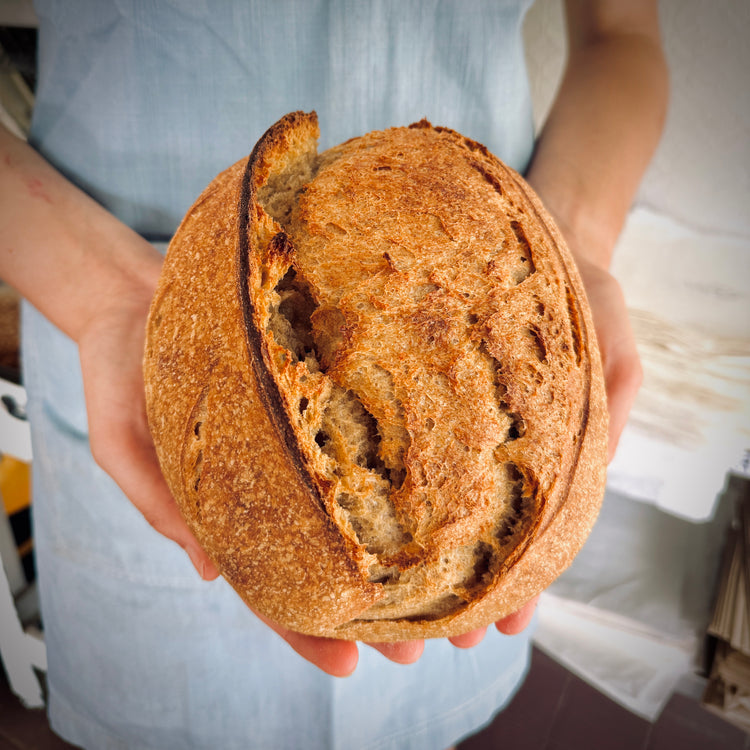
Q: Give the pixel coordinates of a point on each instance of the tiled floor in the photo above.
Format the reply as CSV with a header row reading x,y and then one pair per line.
x,y
554,710
24,729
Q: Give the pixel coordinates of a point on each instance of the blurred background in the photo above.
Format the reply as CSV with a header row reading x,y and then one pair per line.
x,y
631,614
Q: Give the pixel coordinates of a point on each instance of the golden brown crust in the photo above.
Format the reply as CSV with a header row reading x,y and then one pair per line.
x,y
250,508
409,334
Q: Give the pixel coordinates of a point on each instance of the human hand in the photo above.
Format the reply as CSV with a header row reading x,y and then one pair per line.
x,y
111,348
513,624
623,373
621,363
407,652
622,376
111,351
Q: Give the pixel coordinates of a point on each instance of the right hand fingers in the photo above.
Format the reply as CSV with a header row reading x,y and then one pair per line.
x,y
334,657
400,652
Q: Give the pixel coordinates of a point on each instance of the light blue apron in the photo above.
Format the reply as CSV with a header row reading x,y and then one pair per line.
x,y
142,104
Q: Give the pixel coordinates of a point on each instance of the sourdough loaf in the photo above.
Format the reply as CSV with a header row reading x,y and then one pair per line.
x,y
374,386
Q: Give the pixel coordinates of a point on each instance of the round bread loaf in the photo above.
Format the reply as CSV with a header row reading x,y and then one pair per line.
x,y
374,386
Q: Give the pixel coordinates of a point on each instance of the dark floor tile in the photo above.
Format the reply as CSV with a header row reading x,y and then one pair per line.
x,y
686,725
22,728
588,719
525,723
29,729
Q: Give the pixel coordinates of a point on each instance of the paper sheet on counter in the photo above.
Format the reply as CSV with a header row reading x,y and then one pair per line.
x,y
630,613
688,293
631,665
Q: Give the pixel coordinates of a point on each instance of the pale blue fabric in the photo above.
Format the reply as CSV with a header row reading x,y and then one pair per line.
x,y
142,103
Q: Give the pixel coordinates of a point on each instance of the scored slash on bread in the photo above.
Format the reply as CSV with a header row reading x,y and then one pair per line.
x,y
374,385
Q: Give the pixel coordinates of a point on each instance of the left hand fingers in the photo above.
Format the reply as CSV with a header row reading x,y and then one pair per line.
x,y
621,364
335,657
401,652
468,640
518,621
510,625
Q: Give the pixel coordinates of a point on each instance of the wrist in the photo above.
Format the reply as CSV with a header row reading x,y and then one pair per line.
x,y
122,273
590,238
61,250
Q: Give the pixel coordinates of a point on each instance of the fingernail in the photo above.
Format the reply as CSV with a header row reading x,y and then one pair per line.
x,y
197,558
206,568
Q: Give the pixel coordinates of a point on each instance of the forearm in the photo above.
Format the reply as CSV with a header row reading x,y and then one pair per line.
x,y
60,249
601,132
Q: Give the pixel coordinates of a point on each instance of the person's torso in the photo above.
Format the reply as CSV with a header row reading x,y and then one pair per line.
x,y
142,104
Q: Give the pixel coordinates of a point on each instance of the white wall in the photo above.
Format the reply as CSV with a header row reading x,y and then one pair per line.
x,y
701,172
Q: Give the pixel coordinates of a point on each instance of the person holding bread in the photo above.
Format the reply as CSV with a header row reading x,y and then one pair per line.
x,y
136,112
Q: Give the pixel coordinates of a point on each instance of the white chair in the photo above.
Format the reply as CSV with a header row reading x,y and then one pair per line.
x,y
22,648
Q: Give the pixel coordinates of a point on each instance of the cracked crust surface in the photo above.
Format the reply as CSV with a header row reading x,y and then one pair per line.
x,y
374,385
